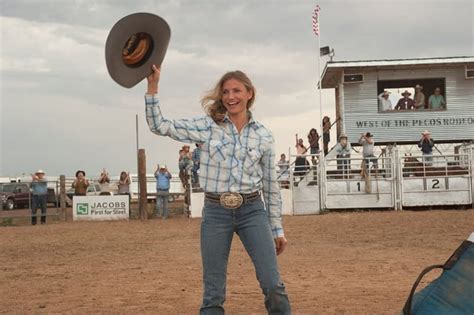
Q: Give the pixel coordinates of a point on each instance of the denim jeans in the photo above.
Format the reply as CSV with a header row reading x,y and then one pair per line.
x,y
368,159
162,202
251,223
38,201
428,159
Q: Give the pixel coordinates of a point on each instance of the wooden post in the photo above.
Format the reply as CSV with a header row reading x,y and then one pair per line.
x,y
62,196
142,199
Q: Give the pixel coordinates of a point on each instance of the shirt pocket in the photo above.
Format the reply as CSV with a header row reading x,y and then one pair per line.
x,y
252,161
218,150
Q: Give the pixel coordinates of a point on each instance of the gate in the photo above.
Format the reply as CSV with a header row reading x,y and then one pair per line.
x,y
305,184
436,180
350,183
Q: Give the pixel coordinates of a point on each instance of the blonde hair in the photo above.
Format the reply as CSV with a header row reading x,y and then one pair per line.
x,y
212,99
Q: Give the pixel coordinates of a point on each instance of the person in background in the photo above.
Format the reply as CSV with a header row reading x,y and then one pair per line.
x,y
436,101
284,167
104,182
326,134
39,198
343,151
368,146
419,98
426,145
80,184
405,102
313,139
301,164
124,183
185,164
384,101
162,190
196,158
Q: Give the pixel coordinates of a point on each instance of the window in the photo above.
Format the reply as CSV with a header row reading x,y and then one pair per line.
x,y
411,95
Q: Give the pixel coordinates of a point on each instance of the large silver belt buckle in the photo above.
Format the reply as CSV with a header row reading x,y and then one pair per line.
x,y
231,200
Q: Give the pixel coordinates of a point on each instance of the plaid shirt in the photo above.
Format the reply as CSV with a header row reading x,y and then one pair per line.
x,y
230,162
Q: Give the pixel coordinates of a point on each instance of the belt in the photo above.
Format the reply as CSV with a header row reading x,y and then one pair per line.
x,y
232,200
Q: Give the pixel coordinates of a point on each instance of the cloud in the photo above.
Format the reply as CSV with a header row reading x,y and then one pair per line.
x,y
56,93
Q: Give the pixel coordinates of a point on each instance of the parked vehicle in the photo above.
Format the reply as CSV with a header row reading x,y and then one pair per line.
x,y
14,195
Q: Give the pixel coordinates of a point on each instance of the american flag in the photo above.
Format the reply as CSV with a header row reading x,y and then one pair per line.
x,y
315,20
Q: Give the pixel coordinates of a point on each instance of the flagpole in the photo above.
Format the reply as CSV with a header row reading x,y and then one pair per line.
x,y
320,87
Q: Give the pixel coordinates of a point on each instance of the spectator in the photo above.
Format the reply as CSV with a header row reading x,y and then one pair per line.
x,y
405,102
343,151
162,190
39,198
124,184
384,101
436,101
239,156
80,184
185,164
284,166
419,98
426,144
301,164
368,146
196,157
104,181
326,134
313,139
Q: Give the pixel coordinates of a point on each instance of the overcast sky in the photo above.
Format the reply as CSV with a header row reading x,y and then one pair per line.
x,y
60,111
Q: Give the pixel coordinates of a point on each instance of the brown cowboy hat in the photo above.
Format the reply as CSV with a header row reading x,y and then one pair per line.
x,y
134,44
406,92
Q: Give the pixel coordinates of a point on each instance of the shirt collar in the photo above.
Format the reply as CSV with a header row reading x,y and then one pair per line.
x,y
252,121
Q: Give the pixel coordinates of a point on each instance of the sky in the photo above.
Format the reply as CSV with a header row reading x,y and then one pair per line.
x,y
60,110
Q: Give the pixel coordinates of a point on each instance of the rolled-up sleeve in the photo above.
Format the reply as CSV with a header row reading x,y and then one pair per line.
x,y
271,191
185,130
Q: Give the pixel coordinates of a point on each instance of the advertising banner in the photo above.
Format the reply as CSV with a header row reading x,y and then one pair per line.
x,y
100,208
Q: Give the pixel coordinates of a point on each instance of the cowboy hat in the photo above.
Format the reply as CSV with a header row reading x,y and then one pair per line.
x,y
343,135
369,135
419,87
162,166
406,92
40,171
134,44
426,132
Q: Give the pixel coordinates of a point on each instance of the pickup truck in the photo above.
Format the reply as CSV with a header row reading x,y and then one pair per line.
x,y
14,195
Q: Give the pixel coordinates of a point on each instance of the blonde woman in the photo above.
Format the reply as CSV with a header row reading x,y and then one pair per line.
x,y
237,166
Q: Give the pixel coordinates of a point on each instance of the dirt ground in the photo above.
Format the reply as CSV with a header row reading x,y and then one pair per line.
x,y
337,263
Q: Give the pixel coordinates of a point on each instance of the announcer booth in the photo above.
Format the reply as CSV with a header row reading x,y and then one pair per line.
x,y
370,96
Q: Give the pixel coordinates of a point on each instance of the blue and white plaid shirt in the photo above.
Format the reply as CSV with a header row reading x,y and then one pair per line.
x,y
230,162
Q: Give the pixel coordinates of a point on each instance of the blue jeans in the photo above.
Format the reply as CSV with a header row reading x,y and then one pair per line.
x,y
251,223
162,202
428,159
38,201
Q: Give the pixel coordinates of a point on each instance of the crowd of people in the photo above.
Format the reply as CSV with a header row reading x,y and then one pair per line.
x,y
435,102
343,150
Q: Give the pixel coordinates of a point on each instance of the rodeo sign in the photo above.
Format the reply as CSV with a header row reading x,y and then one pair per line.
x,y
100,208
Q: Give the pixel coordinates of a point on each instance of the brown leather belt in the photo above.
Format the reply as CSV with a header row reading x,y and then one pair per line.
x,y
232,200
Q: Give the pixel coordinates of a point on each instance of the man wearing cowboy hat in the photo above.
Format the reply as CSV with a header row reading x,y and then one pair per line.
x,y
419,97
426,144
368,146
384,101
39,198
162,190
405,102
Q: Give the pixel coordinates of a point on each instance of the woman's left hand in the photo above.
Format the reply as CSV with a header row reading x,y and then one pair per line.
x,y
280,244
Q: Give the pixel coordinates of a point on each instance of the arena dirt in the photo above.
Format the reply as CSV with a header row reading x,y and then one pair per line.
x,y
337,263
